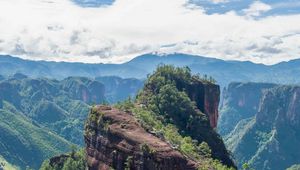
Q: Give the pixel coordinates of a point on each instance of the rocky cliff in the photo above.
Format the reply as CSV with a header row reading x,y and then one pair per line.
x,y
280,106
207,97
114,139
119,89
240,101
84,89
270,139
168,126
189,102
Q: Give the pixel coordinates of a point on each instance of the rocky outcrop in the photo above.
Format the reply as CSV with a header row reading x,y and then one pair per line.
x,y
207,97
84,89
240,101
271,138
119,89
120,142
280,106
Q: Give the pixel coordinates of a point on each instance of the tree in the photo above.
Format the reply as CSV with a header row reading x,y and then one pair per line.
x,y
246,166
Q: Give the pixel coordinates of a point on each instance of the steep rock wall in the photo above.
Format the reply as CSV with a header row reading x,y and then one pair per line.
x,y
207,98
122,142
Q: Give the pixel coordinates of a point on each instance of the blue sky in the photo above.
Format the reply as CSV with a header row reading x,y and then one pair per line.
x,y
279,7
93,3
92,31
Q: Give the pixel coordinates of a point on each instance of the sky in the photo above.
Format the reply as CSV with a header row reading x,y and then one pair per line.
x,y
115,31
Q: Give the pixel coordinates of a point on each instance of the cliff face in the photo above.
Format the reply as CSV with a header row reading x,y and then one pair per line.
x,y
240,101
119,89
207,97
270,139
280,107
84,89
121,142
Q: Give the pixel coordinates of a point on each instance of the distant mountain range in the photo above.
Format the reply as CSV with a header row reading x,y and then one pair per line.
x,y
223,71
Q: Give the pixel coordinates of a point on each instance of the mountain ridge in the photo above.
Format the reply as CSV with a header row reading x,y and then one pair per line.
x,y
223,71
266,123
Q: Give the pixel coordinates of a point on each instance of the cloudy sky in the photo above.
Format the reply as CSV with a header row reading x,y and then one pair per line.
x,y
116,31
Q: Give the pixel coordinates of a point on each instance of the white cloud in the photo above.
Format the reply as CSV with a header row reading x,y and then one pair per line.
x,y
256,9
61,31
219,1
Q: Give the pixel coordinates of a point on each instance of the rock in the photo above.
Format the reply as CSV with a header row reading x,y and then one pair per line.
x,y
280,106
124,143
207,97
240,101
84,89
270,138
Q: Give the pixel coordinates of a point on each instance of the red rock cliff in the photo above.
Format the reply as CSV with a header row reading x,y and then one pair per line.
x,y
207,98
121,142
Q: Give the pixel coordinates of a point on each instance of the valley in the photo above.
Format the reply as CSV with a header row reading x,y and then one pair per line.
x,y
44,110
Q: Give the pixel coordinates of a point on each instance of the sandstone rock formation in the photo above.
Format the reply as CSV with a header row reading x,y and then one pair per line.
x,y
207,97
122,143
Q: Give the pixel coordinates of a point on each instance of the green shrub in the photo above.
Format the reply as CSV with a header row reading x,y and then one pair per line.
x,y
74,161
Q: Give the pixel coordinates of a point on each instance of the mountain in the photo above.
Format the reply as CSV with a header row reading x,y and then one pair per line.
x,y
43,117
2,77
168,126
57,107
24,143
223,71
240,101
267,124
118,89
60,70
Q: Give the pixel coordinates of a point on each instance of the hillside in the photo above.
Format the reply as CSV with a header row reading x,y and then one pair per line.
x,y
58,107
42,117
223,71
240,101
168,126
266,131
23,143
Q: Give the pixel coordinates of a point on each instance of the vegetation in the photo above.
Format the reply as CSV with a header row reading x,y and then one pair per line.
x,y
146,149
166,111
186,145
96,122
168,93
265,119
6,165
25,144
41,118
128,162
72,161
119,89
294,167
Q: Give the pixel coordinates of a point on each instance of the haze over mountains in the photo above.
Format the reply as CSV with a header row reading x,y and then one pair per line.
x,y
223,71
